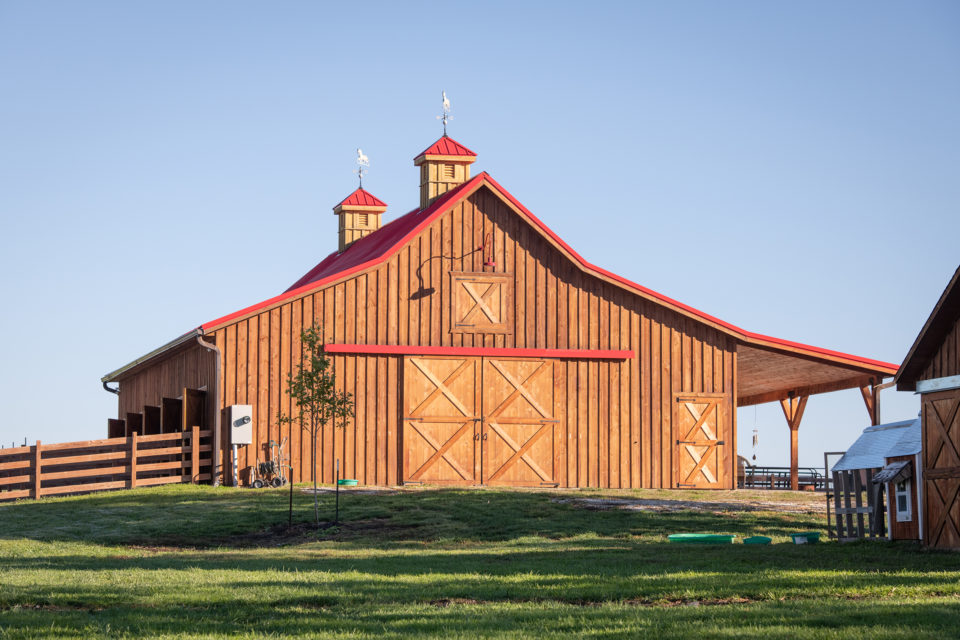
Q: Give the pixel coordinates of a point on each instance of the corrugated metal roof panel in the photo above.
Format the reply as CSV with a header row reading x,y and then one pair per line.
x,y
879,442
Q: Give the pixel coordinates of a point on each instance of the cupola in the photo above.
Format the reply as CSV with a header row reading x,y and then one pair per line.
x,y
443,165
359,215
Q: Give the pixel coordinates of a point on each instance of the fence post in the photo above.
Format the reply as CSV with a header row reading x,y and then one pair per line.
x,y
36,470
195,455
133,460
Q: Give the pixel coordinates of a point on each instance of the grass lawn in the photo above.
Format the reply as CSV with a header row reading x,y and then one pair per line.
x,y
198,562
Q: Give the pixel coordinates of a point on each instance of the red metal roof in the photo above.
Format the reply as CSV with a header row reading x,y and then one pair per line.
x,y
380,245
362,198
447,146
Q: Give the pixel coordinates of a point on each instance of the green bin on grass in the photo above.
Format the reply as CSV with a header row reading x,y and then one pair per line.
x,y
807,537
757,540
701,538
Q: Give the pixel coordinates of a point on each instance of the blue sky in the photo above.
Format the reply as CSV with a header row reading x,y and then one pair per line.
x,y
790,168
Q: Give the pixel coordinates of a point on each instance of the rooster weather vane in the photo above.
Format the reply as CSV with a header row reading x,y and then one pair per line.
x,y
445,116
363,165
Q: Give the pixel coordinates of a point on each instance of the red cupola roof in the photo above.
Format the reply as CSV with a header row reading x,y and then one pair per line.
x,y
361,198
446,146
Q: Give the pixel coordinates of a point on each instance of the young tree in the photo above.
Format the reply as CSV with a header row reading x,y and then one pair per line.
x,y
314,392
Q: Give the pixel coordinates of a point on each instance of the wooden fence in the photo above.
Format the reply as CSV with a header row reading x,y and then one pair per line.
x,y
854,496
98,465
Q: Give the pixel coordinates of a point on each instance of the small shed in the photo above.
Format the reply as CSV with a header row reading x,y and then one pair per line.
x,y
884,462
932,369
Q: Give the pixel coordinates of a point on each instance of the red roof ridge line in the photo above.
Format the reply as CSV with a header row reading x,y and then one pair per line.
x,y
440,205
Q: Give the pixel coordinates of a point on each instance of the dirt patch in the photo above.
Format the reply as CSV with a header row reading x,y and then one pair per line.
x,y
662,505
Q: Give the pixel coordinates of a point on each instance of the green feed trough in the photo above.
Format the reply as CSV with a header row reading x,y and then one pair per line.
x,y
347,482
701,538
757,540
807,537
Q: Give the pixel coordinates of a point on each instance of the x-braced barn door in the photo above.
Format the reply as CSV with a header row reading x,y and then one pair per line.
x,y
941,469
441,420
473,421
519,435
699,454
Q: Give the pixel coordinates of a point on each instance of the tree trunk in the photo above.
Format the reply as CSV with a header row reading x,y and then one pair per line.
x,y
313,461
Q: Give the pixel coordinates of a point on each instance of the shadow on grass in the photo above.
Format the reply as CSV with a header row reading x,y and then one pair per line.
x,y
202,517
312,618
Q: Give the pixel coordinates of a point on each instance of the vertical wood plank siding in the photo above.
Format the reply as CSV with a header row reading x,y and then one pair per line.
x,y
616,415
946,362
191,366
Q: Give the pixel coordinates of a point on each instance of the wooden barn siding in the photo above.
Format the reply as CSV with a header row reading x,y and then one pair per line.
x,y
617,414
946,362
193,367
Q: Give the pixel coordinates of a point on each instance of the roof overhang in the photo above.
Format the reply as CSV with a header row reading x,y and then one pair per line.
x,y
942,319
767,374
160,352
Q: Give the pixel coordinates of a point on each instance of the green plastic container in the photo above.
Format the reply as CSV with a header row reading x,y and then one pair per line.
x,y
701,538
347,482
757,540
807,537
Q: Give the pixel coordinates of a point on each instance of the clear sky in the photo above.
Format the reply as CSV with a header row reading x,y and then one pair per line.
x,y
789,167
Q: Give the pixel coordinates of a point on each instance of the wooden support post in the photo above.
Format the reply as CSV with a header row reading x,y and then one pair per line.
x,y
793,408
37,471
870,393
133,460
195,454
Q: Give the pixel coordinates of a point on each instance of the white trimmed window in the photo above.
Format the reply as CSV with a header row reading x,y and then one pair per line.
x,y
903,502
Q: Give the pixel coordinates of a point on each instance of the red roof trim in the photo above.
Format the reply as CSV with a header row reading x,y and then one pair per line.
x,y
446,146
503,352
362,198
449,199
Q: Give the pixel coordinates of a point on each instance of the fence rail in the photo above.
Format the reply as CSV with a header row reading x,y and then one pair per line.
x,y
99,465
779,478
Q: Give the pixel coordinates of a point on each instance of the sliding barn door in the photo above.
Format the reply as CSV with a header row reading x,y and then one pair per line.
x,y
520,439
441,420
699,457
941,469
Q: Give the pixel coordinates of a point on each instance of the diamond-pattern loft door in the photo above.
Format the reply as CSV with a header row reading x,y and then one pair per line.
x,y
520,440
941,469
441,415
698,459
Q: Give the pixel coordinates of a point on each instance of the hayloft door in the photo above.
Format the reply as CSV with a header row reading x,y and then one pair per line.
x,y
441,430
700,452
941,468
519,435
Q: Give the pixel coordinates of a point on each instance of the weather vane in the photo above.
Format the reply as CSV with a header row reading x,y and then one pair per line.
x,y
446,117
363,165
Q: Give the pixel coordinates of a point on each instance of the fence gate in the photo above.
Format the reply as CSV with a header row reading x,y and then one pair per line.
x,y
700,451
855,496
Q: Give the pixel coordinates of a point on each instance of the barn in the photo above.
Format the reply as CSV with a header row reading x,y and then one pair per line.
x,y
481,349
932,369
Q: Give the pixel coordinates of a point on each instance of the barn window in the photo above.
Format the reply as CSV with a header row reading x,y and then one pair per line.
x,y
481,302
902,497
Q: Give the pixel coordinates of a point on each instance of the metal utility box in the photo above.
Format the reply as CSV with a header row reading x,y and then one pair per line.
x,y
240,419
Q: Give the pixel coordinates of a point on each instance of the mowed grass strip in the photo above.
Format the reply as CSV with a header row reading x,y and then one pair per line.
x,y
191,562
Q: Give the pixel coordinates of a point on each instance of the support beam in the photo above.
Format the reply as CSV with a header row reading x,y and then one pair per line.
x,y
870,393
793,411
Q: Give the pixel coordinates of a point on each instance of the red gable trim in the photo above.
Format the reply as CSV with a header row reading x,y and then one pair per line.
x,y
491,352
452,197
